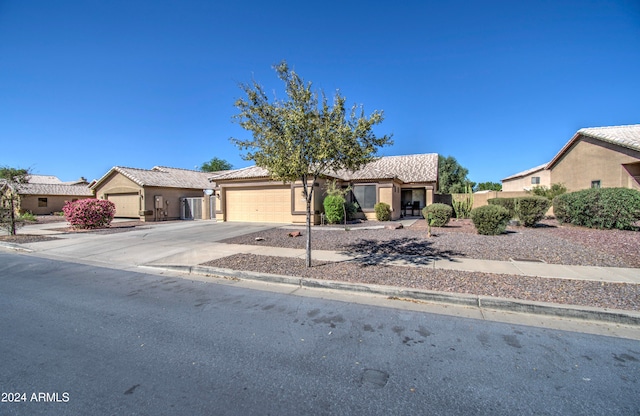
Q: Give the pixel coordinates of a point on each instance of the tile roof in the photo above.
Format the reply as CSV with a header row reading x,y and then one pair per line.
x,y
525,173
626,136
408,169
61,189
44,179
162,176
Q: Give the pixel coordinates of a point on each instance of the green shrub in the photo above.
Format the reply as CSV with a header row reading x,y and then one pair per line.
x,y
334,208
383,211
531,209
463,203
490,219
549,193
27,216
599,208
508,203
352,210
440,214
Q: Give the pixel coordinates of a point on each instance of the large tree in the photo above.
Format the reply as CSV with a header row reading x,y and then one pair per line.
x,y
303,136
215,165
452,177
10,181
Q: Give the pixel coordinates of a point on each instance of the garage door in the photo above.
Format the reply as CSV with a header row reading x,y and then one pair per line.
x,y
127,205
259,204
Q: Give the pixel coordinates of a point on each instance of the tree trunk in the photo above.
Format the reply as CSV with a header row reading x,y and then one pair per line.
x,y
13,216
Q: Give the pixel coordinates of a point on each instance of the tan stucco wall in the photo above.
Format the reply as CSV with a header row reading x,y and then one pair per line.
x,y
520,184
589,160
29,203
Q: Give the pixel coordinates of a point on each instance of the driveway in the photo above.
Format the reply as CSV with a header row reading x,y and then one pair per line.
x,y
180,243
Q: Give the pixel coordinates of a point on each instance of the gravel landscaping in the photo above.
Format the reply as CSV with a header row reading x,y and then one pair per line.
x,y
549,243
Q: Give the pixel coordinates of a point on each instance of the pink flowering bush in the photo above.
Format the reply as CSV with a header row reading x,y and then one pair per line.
x,y
89,213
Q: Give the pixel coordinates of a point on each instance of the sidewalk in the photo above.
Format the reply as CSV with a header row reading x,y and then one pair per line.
x,y
177,247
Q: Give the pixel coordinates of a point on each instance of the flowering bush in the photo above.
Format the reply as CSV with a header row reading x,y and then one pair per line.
x,y
89,213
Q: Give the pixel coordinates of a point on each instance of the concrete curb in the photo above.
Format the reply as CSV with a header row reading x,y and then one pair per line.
x,y
481,302
16,247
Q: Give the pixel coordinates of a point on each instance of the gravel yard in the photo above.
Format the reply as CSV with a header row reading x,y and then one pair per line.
x,y
549,242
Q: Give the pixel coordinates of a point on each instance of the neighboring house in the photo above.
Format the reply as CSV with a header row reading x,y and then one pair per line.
x,y
598,157
157,194
524,181
406,183
45,194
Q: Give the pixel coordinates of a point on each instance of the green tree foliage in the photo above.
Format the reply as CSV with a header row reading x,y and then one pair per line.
x,y
549,193
10,181
303,136
452,177
488,186
216,165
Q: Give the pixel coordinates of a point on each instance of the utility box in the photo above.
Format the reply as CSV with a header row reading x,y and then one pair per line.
x,y
159,202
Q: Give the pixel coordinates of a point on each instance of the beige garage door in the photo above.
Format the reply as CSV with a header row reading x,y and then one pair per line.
x,y
127,205
259,204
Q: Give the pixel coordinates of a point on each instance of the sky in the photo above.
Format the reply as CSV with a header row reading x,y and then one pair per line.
x,y
501,86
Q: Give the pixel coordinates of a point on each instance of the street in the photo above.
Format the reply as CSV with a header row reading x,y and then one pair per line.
x,y
78,339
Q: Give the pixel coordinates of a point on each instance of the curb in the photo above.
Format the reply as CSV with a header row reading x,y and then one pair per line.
x,y
481,302
16,247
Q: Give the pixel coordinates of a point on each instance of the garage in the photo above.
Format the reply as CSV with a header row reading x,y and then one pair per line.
x,y
259,204
127,205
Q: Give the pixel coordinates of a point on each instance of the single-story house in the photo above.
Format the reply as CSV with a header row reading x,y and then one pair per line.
x,y
46,194
406,183
157,194
607,157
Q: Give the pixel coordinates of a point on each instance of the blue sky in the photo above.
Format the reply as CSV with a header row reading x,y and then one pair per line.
x,y
499,85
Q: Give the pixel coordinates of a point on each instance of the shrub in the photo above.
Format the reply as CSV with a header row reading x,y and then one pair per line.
x,y
490,219
508,203
549,193
463,203
89,213
440,214
27,216
352,210
383,211
599,208
334,208
531,209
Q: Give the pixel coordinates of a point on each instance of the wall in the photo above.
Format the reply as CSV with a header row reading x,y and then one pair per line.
x,y
520,184
588,160
29,203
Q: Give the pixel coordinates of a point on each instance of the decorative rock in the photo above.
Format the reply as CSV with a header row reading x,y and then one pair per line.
x,y
394,226
259,238
295,234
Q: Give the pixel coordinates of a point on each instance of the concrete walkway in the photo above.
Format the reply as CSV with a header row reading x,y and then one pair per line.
x,y
183,246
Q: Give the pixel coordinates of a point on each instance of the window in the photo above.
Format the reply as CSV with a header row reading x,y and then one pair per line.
x,y
42,202
365,196
535,180
595,184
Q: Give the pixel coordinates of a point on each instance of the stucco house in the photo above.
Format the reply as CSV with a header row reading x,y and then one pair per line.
x,y
607,157
46,194
406,183
157,194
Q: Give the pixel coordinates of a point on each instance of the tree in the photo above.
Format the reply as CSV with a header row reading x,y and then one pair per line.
x,y
10,181
452,178
488,186
216,164
303,137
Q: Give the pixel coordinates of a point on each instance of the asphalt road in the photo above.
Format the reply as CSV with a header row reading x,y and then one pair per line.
x,y
78,339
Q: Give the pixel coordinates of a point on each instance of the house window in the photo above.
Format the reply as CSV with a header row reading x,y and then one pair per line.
x,y
42,202
535,180
365,196
595,184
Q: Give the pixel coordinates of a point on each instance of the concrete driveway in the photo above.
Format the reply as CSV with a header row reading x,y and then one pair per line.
x,y
179,243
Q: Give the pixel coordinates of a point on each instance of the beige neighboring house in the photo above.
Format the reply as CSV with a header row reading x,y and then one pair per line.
x,y
597,157
157,194
524,181
46,194
406,183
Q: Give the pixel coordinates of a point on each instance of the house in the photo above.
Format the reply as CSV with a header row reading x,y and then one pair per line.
x,y
524,181
157,194
46,194
406,183
607,157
